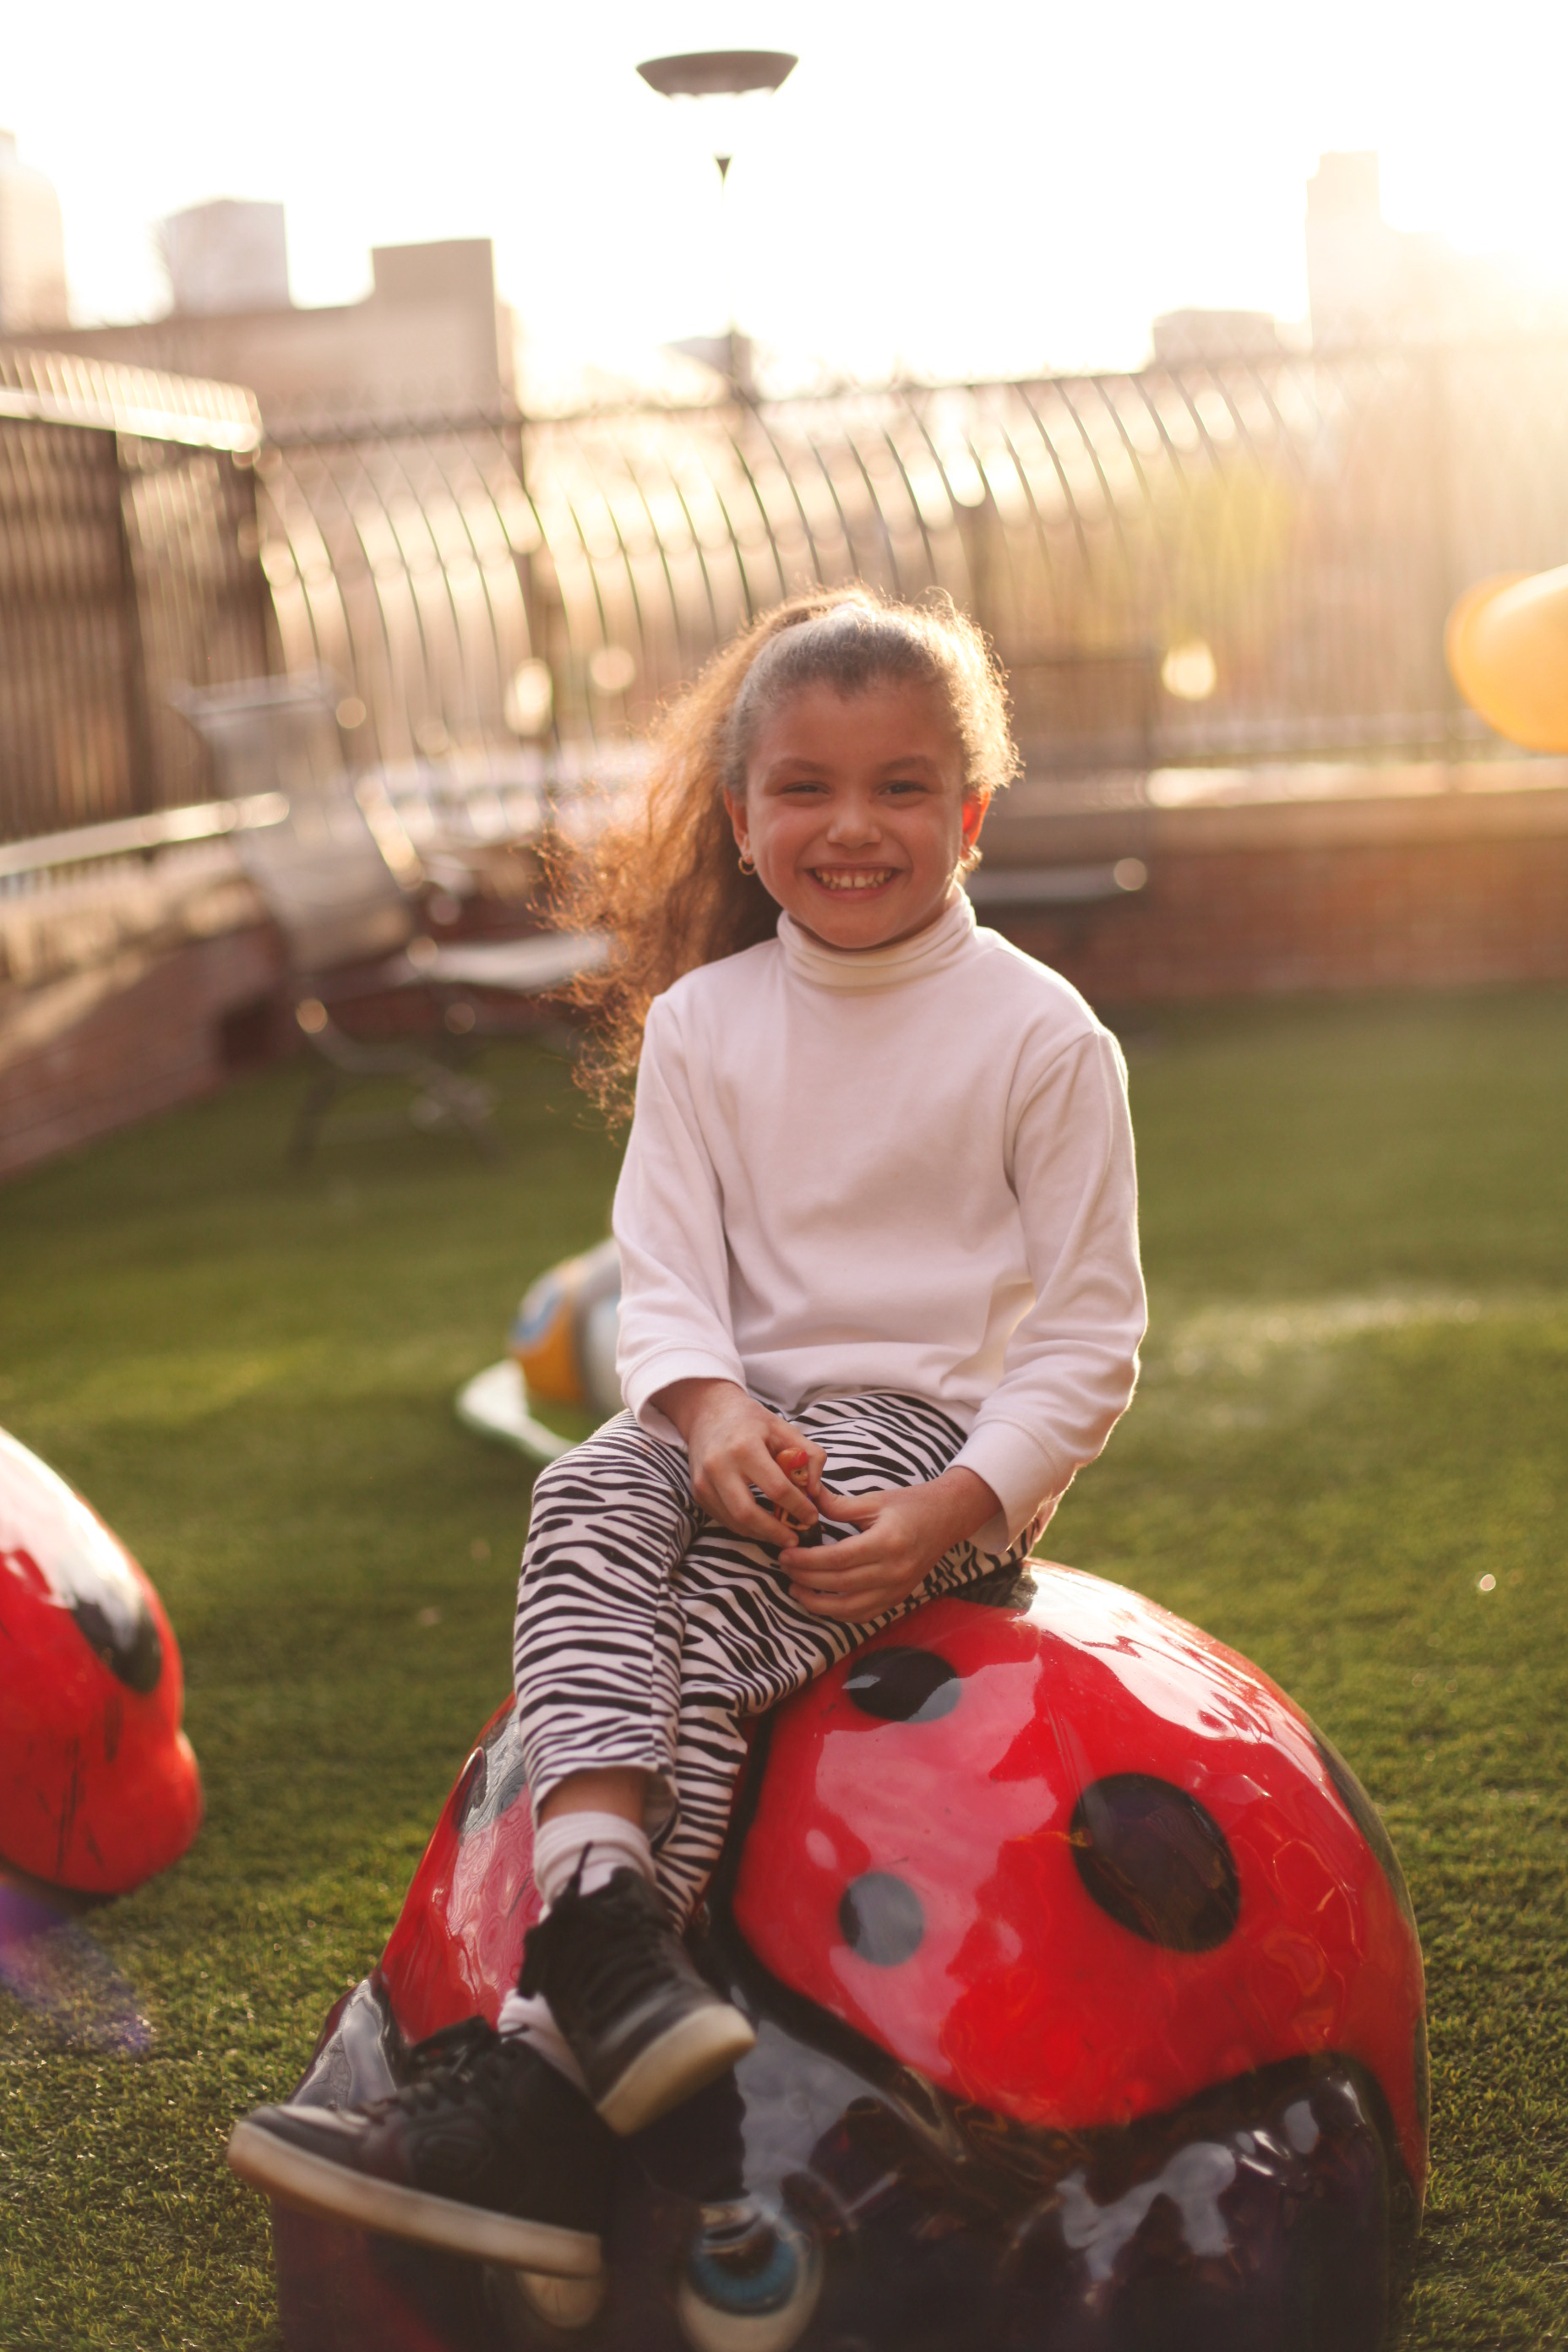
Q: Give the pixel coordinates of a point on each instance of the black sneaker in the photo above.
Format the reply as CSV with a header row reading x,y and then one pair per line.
x,y
644,2026
487,2151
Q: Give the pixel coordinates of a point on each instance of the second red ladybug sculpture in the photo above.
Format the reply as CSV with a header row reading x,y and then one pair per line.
x,y
1090,2017
98,1788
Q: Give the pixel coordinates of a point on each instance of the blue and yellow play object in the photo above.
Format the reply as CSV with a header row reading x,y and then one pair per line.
x,y
561,1351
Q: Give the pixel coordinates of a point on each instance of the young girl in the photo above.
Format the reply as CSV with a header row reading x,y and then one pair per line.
x,y
877,1236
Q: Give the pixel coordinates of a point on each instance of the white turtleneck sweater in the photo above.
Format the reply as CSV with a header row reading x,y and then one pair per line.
x,y
908,1168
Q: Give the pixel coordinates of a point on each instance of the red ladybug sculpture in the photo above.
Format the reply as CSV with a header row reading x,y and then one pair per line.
x,y
1090,2018
98,1788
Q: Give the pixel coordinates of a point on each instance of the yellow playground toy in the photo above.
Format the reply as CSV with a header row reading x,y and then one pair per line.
x,y
1507,643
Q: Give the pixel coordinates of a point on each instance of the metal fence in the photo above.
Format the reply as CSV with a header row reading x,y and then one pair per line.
x,y
1237,559
128,565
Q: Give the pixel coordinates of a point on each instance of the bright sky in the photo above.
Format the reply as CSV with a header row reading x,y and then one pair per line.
x,y
995,186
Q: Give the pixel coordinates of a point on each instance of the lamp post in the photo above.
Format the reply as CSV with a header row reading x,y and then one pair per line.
x,y
721,77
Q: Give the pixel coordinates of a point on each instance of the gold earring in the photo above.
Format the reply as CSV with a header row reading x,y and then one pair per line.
x,y
748,863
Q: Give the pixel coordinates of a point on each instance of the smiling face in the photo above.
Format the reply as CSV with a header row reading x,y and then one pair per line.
x,y
856,812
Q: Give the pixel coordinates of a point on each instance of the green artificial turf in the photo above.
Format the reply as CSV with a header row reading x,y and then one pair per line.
x,y
1354,1409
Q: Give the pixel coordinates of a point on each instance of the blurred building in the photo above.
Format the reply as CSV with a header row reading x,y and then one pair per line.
x,y
32,247
1369,283
226,258
1182,337
431,335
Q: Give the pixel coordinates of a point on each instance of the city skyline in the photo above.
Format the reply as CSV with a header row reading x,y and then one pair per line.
x,y
1029,196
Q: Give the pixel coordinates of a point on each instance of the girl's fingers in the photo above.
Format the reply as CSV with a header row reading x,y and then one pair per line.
x,y
850,1510
853,1555
761,1470
738,1508
731,1488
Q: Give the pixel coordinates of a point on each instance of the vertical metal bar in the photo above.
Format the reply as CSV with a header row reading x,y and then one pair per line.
x,y
144,794
1445,570
514,447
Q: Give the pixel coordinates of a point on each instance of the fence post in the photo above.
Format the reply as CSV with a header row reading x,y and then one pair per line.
x,y
545,642
140,766
259,615
1445,458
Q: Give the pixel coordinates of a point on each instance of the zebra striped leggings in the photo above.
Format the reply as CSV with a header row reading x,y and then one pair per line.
x,y
647,1631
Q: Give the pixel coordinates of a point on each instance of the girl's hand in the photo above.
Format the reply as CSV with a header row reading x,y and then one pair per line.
x,y
904,1532
733,1445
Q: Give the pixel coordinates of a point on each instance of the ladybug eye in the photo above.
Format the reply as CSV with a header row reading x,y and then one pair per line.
x,y
903,1686
1156,1861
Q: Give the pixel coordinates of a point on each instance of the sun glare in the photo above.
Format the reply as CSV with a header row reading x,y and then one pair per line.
x,y
1028,193
1189,671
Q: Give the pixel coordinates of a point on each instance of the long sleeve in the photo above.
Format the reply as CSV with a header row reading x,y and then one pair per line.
x,y
675,1310
1071,1361
907,1171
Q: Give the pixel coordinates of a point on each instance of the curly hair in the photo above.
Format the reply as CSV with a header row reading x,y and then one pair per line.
x,y
662,878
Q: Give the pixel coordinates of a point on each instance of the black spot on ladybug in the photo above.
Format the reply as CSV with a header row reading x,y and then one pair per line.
x,y
1367,1819
1156,1861
880,1918
134,1654
903,1686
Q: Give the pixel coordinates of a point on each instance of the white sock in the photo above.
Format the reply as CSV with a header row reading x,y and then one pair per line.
x,y
601,1842
530,2016
609,1843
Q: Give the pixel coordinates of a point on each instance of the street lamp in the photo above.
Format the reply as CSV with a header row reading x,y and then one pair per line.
x,y
722,78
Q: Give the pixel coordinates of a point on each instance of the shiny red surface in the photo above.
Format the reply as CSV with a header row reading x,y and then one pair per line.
x,y
1023,1994
457,1945
98,1788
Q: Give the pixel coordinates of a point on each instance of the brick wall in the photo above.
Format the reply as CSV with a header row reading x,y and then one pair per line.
x,y
1435,890
100,1048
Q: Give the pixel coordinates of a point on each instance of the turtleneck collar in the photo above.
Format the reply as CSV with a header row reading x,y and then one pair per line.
x,y
939,944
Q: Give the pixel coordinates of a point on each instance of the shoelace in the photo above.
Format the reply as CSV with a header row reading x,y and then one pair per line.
x,y
605,1958
470,2054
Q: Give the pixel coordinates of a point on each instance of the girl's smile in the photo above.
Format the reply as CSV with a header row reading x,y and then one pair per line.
x,y
855,814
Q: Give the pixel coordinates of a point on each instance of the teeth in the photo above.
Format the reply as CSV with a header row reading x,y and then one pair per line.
x,y
867,878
